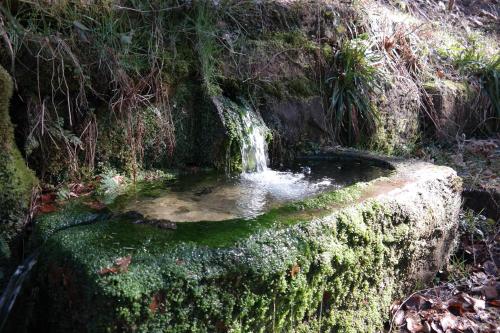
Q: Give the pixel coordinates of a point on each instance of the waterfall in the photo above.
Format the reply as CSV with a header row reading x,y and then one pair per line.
x,y
253,142
246,126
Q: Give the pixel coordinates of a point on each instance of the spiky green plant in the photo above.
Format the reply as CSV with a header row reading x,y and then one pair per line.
x,y
354,78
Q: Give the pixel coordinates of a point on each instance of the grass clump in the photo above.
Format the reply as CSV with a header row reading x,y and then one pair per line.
x,y
473,63
207,47
472,60
353,79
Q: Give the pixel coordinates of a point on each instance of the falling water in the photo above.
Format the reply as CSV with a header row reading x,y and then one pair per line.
x,y
254,144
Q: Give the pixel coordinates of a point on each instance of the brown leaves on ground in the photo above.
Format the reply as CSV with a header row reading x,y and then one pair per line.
x,y
46,203
468,296
95,204
446,309
80,189
119,266
476,160
47,208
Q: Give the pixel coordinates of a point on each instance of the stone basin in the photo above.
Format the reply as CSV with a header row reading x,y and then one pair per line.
x,y
333,262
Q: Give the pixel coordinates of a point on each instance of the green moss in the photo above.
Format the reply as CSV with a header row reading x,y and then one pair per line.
x,y
231,275
437,85
16,182
301,87
298,267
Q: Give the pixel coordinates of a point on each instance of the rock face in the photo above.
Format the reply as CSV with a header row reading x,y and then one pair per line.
x,y
452,109
16,180
333,262
399,112
298,118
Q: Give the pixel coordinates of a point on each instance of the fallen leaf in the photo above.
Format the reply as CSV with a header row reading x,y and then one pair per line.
x,y
490,268
417,302
477,304
436,327
97,205
495,303
157,302
119,266
427,327
48,197
448,322
456,308
414,324
388,43
399,318
47,208
490,292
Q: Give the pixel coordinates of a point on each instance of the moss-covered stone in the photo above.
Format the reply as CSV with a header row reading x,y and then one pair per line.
x,y
331,263
16,180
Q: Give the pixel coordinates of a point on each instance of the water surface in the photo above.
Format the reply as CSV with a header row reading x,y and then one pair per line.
x,y
213,197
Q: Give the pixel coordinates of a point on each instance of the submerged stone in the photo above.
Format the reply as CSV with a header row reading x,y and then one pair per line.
x,y
332,262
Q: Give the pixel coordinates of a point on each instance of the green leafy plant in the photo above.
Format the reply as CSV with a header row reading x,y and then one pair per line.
x,y
354,78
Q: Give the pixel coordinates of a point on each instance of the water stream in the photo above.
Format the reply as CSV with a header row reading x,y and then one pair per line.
x,y
13,288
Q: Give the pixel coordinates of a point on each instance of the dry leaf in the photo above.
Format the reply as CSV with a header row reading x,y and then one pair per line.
x,y
490,292
416,302
414,324
97,205
495,303
436,327
399,318
48,197
490,268
448,322
47,208
294,270
157,302
120,266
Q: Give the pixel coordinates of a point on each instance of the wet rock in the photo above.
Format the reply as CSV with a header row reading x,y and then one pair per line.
x,y
132,214
297,119
159,223
204,191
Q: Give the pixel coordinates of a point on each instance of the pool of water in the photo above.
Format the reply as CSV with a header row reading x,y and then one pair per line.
x,y
212,197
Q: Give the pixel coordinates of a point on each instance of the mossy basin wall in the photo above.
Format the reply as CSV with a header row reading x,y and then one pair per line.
x,y
330,263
